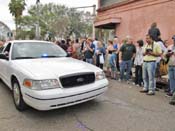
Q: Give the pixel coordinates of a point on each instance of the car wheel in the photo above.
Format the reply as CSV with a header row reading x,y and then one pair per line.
x,y
17,96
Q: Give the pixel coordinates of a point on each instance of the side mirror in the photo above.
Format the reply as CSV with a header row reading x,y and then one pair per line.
x,y
3,56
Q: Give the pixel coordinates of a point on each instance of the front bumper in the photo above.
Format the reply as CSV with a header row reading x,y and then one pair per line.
x,y
58,98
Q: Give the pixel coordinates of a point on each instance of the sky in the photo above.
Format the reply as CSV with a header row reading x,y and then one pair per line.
x,y
7,18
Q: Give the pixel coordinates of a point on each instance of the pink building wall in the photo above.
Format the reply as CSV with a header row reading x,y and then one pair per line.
x,y
137,16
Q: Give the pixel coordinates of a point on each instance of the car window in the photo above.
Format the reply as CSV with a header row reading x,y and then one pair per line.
x,y
7,48
23,50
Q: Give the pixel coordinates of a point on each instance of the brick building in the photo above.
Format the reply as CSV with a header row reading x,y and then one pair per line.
x,y
134,17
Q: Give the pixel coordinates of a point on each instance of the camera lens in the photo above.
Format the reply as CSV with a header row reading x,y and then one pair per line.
x,y
169,50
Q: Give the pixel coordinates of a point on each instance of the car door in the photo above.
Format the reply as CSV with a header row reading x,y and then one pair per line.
x,y
5,64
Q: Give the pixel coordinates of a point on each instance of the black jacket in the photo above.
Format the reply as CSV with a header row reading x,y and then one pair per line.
x,y
154,33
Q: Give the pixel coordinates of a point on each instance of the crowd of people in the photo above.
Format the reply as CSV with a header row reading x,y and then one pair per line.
x,y
151,59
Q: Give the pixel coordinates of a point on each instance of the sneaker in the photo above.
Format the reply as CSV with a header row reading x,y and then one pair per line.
x,y
127,81
119,80
166,90
169,94
144,90
172,102
137,85
150,93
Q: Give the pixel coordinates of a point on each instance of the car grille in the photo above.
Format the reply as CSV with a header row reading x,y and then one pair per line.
x,y
79,79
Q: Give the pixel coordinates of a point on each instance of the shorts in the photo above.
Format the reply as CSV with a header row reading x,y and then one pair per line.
x,y
113,68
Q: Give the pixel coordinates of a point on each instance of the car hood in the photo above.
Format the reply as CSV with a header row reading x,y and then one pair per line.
x,y
54,67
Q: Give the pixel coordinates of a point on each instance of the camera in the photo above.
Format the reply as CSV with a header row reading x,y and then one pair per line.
x,y
149,50
169,51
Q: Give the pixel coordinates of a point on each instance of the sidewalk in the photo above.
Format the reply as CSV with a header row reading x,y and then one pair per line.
x,y
161,83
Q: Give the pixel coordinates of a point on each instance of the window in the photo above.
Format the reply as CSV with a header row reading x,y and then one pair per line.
x,y
104,3
7,48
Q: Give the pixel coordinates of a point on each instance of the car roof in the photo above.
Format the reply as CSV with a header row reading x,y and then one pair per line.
x,y
33,41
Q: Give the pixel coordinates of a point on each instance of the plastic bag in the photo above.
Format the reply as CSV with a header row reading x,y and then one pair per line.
x,y
101,57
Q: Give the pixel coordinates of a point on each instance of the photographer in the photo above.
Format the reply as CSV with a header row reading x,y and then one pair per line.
x,y
88,51
152,50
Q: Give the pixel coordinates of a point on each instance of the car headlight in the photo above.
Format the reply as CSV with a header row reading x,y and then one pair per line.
x,y
100,75
41,84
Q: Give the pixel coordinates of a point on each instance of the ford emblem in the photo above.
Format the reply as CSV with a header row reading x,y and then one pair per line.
x,y
80,79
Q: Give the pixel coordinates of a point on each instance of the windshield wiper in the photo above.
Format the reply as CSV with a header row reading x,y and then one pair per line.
x,y
25,57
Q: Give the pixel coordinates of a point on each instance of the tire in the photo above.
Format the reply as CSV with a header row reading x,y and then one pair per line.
x,y
17,96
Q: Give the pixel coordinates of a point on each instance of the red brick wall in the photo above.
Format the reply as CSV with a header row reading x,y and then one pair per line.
x,y
137,17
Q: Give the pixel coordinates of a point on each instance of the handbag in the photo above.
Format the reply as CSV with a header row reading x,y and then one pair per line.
x,y
163,68
101,58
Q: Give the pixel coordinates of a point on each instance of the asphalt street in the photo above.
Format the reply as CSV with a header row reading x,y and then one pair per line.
x,y
121,108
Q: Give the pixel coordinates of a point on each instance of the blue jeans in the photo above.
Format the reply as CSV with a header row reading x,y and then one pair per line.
x,y
156,71
149,69
89,60
125,65
171,74
138,74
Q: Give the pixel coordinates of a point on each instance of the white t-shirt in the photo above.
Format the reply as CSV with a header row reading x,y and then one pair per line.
x,y
139,56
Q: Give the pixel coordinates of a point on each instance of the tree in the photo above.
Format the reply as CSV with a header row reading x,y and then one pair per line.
x,y
16,8
58,20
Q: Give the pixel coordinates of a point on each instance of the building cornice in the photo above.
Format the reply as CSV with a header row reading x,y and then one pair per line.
x,y
116,5
140,4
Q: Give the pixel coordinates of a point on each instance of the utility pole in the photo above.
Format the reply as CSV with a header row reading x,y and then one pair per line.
x,y
37,31
94,10
93,26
